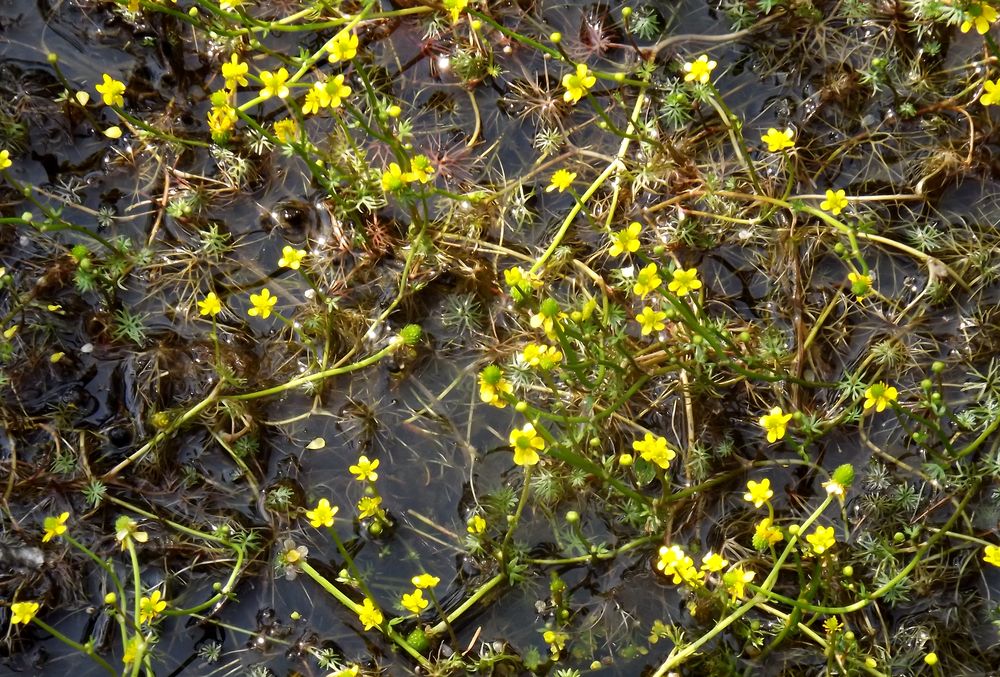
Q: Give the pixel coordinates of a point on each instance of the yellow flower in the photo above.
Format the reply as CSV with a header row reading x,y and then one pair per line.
x,y
880,395
274,83
369,506
392,178
54,526
349,671
477,525
364,469
21,613
736,580
151,607
343,47
834,488
775,423
210,305
493,386
561,180
834,202
526,443
127,529
521,281
111,91
322,515
626,240
291,257
230,5
262,304
684,281
425,580
992,94
647,280
699,70
651,320
235,71
991,555
832,625
286,130
822,539
316,99
980,15
713,561
455,8
778,141
556,640
654,449
221,119
337,90
546,317
577,84
861,284
758,493
5,162
414,602
420,169
369,615
673,562
542,356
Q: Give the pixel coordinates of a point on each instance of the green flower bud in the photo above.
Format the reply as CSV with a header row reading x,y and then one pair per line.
x,y
411,334
844,475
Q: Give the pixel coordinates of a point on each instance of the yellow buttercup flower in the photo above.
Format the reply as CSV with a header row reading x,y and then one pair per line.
x,y
626,241
655,449
758,493
674,562
822,539
542,356
291,257
526,443
286,130
54,526
424,581
980,15
127,530
561,180
210,305
420,169
778,141
578,84
369,506
336,90
493,386
322,515
455,8
699,70
21,613
991,555
369,615
392,178
275,84
861,284
5,162
835,201
111,91
880,395
364,469
262,303
476,525
651,320
684,281
235,71
647,280
736,580
344,47
775,423
991,96
221,119
765,532
151,607
713,562
414,602
316,99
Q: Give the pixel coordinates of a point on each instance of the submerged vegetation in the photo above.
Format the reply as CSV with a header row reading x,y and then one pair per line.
x,y
500,338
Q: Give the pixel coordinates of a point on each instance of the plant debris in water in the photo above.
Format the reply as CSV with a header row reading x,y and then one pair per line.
x,y
499,338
